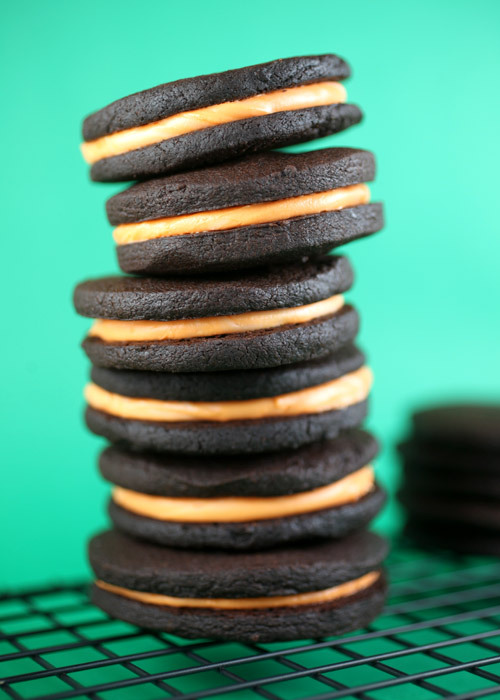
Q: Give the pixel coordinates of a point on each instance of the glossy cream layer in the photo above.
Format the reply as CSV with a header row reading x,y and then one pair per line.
x,y
302,97
343,590
246,215
334,395
230,509
113,331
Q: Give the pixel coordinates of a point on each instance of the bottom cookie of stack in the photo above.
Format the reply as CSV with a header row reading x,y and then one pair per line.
x,y
314,589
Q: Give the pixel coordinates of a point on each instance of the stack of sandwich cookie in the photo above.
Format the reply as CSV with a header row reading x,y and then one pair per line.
x,y
451,486
226,377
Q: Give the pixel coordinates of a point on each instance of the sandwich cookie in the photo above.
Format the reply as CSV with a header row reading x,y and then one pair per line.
x,y
264,209
450,481
450,470
326,489
258,319
481,513
319,588
255,411
199,121
465,539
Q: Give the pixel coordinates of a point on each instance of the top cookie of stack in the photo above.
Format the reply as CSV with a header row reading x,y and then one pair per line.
x,y
199,121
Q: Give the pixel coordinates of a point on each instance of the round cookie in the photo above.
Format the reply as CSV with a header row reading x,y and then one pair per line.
x,y
270,208
445,484
245,504
219,594
316,406
230,385
274,474
199,121
336,522
447,470
238,437
441,459
483,513
465,539
474,426
257,319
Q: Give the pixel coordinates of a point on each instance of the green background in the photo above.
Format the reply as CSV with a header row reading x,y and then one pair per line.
x,y
428,287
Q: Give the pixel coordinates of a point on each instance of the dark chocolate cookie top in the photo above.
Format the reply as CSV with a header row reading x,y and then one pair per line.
x,y
258,178
311,566
275,474
166,299
193,93
471,425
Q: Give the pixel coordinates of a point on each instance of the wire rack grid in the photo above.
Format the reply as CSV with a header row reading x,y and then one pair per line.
x,y
439,637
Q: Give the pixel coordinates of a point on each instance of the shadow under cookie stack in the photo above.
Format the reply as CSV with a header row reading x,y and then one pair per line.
x,y
224,372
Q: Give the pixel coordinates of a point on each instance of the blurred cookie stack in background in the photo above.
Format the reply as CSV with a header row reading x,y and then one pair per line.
x,y
450,486
225,375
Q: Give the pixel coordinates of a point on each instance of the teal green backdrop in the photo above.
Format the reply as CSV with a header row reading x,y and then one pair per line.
x,y
428,287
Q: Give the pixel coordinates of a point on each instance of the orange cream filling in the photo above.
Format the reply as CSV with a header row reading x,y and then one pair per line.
x,y
327,595
334,395
302,97
112,331
247,215
232,509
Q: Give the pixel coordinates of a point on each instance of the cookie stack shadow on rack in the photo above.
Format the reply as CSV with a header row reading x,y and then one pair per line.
x,y
225,374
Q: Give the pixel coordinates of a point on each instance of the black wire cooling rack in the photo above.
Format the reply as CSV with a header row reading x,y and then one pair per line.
x,y
439,637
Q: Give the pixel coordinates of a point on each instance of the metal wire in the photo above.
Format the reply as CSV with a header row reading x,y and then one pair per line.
x,y
439,637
